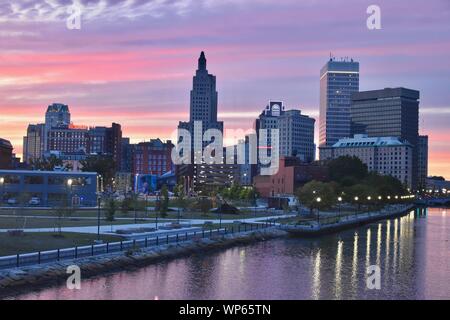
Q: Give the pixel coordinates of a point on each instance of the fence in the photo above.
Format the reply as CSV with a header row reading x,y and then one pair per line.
x,y
40,257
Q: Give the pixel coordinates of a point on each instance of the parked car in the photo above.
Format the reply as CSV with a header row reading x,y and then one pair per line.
x,y
34,201
12,201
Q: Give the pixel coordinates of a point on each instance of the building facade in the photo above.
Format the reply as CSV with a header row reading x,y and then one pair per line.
x,y
67,139
292,174
338,80
296,131
106,141
6,154
152,157
34,143
384,155
390,112
422,158
198,175
203,104
52,188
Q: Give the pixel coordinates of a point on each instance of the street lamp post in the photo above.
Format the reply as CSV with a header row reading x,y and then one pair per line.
x,y
70,183
99,202
369,198
135,203
356,201
2,183
318,199
158,202
339,207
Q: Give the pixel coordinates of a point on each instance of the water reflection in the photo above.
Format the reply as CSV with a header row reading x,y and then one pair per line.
x,y
413,253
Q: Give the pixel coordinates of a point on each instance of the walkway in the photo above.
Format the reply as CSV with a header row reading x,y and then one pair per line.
x,y
108,229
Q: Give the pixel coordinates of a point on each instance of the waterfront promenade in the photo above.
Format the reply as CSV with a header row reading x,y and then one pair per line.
x,y
108,229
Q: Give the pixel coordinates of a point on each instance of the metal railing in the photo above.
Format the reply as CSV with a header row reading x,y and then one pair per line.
x,y
39,257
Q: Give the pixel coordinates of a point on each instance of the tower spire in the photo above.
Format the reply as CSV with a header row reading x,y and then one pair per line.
x,y
202,61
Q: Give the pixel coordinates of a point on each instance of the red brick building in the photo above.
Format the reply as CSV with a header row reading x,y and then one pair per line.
x,y
291,175
152,157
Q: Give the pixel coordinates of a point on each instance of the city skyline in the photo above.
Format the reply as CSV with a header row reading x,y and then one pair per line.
x,y
143,81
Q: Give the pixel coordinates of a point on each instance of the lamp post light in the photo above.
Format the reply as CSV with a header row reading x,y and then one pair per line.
x,y
136,200
69,184
2,183
158,202
356,200
99,203
369,198
339,207
318,199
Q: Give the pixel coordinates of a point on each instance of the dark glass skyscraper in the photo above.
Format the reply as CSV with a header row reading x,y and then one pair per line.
x,y
338,80
390,112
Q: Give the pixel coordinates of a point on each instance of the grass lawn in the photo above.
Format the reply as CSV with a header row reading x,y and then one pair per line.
x,y
31,242
130,214
22,222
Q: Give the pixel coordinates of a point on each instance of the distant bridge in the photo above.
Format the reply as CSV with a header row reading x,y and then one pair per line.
x,y
434,201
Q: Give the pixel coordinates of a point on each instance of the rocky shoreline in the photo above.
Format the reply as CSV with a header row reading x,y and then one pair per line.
x,y
27,278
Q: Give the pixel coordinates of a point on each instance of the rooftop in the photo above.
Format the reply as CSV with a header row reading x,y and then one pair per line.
x,y
362,140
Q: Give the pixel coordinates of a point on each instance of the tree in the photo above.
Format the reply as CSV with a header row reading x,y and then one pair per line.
x,y
347,170
62,211
111,208
48,163
164,206
384,185
314,190
360,192
205,205
104,165
181,198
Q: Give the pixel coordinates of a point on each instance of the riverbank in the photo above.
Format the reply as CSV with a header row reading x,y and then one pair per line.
x,y
316,228
14,281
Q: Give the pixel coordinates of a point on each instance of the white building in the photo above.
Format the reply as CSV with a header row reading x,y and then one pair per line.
x,y
385,155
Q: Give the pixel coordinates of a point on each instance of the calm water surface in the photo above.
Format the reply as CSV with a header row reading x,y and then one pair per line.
x,y
413,253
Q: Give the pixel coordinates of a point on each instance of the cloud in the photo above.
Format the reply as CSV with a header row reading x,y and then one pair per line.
x,y
56,10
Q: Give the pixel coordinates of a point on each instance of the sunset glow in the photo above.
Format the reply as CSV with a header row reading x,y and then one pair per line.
x,y
133,62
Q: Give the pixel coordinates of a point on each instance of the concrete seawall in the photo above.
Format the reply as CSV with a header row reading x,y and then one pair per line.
x,y
317,229
24,279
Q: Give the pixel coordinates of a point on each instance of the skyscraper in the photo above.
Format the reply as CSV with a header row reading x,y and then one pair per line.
x,y
199,175
296,131
388,112
338,80
422,158
34,143
57,115
203,104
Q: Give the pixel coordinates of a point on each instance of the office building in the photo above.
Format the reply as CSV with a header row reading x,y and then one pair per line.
x,y
338,80
296,131
106,141
6,154
200,176
52,188
67,139
34,143
203,103
422,165
385,155
390,112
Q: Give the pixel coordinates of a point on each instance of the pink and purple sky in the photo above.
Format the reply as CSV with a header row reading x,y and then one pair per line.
x,y
132,62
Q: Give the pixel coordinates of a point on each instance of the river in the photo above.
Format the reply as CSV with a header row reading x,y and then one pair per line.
x,y
413,253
